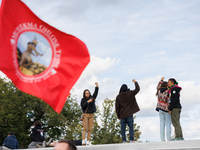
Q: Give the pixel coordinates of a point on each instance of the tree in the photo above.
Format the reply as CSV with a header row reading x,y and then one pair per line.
x,y
13,113
19,110
110,129
73,113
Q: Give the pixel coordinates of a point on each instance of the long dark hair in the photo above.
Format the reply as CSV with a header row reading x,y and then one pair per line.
x,y
84,93
163,85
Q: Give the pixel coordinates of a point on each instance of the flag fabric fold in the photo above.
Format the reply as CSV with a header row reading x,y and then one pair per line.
x,y
38,58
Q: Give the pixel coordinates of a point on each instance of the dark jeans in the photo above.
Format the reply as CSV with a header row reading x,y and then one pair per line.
x,y
129,121
175,116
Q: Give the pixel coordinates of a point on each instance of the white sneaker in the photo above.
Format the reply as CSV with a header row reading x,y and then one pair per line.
x,y
83,142
88,143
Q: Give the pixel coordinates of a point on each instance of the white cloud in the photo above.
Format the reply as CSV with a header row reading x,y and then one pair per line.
x,y
190,95
149,127
162,52
192,129
2,75
97,66
146,98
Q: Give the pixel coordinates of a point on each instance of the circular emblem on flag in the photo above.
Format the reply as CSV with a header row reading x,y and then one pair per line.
x,y
36,52
33,53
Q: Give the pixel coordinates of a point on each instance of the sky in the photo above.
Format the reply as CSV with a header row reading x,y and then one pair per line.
x,y
132,39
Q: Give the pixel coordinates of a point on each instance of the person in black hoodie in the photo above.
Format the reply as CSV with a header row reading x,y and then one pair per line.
x,y
37,135
125,106
175,107
88,108
10,142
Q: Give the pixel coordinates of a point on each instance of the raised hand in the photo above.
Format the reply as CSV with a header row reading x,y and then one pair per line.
x,y
96,84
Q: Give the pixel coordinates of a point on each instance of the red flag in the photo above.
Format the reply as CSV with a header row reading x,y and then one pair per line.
x,y
39,59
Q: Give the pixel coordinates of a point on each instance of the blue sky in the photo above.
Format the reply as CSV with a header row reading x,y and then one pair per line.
x,y
132,39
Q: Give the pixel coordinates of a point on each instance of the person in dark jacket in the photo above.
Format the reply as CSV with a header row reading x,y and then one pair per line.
x,y
126,106
88,108
175,107
10,142
37,135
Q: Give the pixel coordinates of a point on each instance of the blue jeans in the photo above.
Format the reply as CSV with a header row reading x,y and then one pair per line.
x,y
165,120
129,121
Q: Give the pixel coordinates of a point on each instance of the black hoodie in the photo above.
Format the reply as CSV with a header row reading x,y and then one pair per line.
x,y
174,98
37,134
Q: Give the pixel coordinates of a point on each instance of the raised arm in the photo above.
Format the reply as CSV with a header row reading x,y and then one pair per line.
x,y
137,87
160,82
96,90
